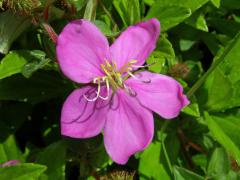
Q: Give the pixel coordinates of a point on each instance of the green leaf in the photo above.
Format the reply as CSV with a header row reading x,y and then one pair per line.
x,y
90,11
162,56
23,61
25,171
150,165
192,4
192,110
226,131
37,60
216,3
129,11
184,174
228,27
53,157
40,87
198,21
169,16
104,28
9,151
11,64
221,88
231,4
11,26
219,164
200,160
171,13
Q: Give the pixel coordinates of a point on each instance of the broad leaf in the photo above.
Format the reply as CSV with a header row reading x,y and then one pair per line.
x,y
11,64
169,16
26,171
221,89
226,131
150,166
11,26
54,158
219,164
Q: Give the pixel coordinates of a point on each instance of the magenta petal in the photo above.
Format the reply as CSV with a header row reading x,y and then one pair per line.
x,y
129,128
160,93
81,118
81,48
135,43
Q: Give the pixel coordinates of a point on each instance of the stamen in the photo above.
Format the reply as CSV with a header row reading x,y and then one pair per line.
x,y
144,66
144,81
130,91
108,89
97,92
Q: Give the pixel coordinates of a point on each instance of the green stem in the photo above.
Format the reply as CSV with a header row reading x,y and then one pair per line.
x,y
164,127
199,83
166,156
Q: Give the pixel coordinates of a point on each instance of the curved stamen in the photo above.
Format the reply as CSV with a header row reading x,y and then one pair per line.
x,y
144,66
97,92
144,81
108,89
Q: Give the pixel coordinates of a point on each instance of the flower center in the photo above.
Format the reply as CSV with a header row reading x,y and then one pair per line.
x,y
115,77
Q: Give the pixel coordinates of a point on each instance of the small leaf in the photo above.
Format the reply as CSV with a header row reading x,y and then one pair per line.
x,y
11,64
9,151
216,3
219,164
198,21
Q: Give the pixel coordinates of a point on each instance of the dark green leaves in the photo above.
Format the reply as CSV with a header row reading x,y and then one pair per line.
x,y
40,87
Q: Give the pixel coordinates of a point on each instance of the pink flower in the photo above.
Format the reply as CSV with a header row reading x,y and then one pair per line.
x,y
116,100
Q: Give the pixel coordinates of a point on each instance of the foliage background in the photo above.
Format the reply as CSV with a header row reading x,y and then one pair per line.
x,y
199,46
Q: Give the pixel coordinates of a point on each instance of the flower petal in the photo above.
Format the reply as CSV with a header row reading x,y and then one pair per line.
x,y
160,93
81,118
81,48
129,128
135,43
